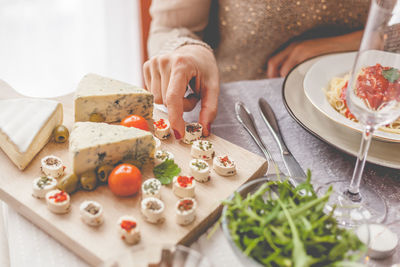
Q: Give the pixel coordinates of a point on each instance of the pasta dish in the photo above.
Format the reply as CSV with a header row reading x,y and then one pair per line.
x,y
373,86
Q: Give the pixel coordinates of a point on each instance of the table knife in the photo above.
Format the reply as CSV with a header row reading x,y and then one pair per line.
x,y
245,118
294,169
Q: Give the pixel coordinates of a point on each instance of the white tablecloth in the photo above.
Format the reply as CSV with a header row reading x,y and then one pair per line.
x,y
30,246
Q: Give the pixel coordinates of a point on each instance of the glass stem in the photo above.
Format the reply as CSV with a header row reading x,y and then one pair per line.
x,y
354,188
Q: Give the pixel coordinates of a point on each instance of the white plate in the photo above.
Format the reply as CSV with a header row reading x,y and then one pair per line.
x,y
319,76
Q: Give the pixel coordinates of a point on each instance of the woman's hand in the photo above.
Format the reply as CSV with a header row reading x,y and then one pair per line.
x,y
281,63
168,76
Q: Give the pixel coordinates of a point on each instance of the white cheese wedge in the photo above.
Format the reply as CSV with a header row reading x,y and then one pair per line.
x,y
153,210
52,166
193,132
162,155
91,213
200,170
111,99
26,126
162,129
58,201
42,185
94,144
151,188
202,149
184,186
185,210
128,229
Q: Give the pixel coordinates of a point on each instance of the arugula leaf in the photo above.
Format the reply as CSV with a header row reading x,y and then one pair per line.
x,y
278,226
391,74
166,171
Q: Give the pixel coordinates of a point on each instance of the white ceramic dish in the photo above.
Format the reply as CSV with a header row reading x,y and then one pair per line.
x,y
319,76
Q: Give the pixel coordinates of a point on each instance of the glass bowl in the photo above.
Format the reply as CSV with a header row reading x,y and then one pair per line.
x,y
250,188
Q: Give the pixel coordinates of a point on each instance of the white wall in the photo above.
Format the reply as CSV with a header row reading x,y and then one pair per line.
x,y
46,46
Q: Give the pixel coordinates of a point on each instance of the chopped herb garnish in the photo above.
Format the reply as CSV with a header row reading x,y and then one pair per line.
x,y
43,181
166,171
200,165
193,128
391,74
205,145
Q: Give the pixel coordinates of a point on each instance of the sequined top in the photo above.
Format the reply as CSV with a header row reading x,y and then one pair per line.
x,y
244,34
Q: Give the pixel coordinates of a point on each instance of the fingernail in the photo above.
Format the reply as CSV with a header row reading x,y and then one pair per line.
x,y
177,134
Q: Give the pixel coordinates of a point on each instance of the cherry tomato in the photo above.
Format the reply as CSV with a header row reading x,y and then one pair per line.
x,y
125,180
135,121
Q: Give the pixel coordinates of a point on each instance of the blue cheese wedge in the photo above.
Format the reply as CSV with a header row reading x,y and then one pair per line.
x,y
110,100
26,125
95,144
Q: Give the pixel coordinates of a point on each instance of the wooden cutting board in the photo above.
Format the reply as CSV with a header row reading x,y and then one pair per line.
x,y
98,245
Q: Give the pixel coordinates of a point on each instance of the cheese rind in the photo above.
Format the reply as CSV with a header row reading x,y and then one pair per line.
x,y
95,144
26,126
112,99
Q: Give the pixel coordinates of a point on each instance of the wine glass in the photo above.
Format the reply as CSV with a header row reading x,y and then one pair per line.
x,y
373,97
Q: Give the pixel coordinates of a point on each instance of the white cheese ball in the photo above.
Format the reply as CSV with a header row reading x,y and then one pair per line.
x,y
200,170
128,229
183,186
151,188
224,166
152,209
185,210
52,166
162,129
58,201
162,155
202,149
42,185
91,213
193,132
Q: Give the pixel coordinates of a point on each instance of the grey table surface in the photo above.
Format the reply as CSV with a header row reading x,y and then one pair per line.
x,y
326,162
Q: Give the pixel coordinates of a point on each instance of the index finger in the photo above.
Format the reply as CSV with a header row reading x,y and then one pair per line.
x,y
175,95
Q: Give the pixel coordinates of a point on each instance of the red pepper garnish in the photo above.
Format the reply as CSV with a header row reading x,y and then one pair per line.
x,y
225,161
185,205
185,181
64,168
160,124
59,197
128,225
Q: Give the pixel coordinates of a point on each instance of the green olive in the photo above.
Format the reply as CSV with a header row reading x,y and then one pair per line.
x,y
69,183
96,117
60,134
89,180
103,172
